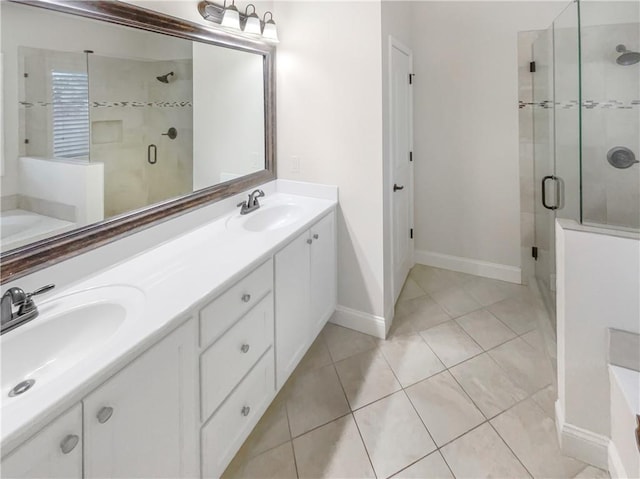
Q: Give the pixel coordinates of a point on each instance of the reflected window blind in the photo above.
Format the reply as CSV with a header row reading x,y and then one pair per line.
x,y
70,114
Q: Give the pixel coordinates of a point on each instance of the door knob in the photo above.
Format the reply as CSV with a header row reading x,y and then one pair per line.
x,y
309,241
104,414
244,348
245,411
316,236
397,188
246,298
69,443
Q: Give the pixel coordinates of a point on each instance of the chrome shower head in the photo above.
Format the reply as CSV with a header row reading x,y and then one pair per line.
x,y
628,57
164,78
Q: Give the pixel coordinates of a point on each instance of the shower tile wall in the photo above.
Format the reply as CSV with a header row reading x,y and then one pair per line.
x,y
610,117
525,96
130,109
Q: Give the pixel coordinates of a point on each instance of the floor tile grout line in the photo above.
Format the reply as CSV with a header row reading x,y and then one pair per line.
x,y
293,449
511,450
364,445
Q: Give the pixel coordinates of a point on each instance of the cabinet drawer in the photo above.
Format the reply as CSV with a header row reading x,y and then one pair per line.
x,y
226,309
223,435
226,362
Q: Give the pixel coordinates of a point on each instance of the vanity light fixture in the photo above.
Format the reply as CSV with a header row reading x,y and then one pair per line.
x,y
252,25
269,31
247,23
230,16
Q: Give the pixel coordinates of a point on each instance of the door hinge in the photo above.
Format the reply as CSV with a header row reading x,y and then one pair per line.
x,y
411,75
411,233
534,252
532,67
26,75
411,156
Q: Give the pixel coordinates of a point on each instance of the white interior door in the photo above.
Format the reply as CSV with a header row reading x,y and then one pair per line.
x,y
401,184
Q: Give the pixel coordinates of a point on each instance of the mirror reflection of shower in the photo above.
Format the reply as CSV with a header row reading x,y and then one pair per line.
x,y
164,78
628,57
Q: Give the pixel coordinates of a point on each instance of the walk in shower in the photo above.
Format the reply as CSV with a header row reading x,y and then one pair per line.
x,y
585,76
125,113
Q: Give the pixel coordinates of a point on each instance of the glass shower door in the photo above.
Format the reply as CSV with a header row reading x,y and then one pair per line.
x,y
543,152
556,93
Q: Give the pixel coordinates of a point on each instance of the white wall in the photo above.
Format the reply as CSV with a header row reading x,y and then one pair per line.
x,y
330,117
598,288
466,131
228,114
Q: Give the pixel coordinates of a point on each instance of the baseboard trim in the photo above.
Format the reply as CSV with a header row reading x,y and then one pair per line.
x,y
359,321
616,467
502,272
580,443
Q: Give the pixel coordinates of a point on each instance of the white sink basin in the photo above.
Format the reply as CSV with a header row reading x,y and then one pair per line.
x,y
267,218
68,329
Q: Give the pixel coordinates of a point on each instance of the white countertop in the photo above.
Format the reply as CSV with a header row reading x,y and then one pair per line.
x,y
176,278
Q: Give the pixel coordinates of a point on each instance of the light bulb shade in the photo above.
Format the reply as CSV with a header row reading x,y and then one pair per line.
x,y
269,32
252,25
231,18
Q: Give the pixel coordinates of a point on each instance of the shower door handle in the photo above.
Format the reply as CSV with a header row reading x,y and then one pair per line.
x,y
544,192
152,158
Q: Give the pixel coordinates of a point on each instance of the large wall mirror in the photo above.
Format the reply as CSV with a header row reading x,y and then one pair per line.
x,y
115,117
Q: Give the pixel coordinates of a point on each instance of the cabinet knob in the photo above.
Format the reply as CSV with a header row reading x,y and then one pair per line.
x,y
69,443
244,348
246,297
245,410
104,414
316,236
309,241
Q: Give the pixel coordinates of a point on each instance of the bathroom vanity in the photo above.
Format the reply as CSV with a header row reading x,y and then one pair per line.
x,y
177,352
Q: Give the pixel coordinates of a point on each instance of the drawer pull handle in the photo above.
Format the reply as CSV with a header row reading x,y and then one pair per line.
x,y
104,414
245,411
244,348
309,241
69,443
246,297
316,236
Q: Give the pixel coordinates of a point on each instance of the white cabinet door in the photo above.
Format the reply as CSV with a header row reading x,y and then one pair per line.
x,y
292,305
323,272
55,452
143,421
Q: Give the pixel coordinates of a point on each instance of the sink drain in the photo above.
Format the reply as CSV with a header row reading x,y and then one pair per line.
x,y
22,387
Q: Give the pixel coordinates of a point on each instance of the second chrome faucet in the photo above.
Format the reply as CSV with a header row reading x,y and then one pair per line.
x,y
252,203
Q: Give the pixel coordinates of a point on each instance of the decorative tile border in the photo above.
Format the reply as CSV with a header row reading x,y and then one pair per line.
x,y
587,104
119,104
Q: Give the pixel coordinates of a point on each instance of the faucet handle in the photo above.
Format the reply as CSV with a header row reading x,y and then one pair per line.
x,y
41,290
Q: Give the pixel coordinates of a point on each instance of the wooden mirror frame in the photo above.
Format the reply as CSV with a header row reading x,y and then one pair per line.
x,y
27,259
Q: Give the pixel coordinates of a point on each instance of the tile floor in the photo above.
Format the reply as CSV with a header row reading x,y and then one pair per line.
x,y
461,388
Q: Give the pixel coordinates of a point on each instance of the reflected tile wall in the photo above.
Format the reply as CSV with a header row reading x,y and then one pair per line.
x,y
127,91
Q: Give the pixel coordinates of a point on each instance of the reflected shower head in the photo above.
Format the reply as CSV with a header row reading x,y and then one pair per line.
x,y
628,57
164,78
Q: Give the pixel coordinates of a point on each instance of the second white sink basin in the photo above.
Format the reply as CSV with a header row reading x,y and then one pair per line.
x,y
267,218
67,330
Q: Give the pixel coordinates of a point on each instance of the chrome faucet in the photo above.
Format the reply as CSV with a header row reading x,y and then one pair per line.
x,y
26,307
252,203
